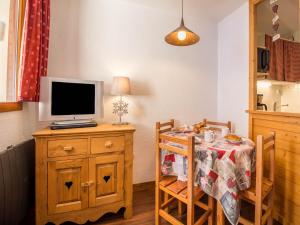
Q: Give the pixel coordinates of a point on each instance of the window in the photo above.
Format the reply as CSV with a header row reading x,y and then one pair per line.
x,y
11,23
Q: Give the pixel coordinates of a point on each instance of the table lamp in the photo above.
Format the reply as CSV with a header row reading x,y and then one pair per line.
x,y
120,87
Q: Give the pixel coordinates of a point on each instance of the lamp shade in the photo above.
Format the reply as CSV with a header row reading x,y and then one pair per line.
x,y
182,36
120,86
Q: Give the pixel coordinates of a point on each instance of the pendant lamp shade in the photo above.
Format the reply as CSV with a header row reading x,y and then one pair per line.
x,y
182,36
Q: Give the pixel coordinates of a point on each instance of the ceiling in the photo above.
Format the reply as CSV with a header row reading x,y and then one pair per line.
x,y
217,9
213,9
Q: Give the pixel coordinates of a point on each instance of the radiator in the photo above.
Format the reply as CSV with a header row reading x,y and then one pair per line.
x,y
16,182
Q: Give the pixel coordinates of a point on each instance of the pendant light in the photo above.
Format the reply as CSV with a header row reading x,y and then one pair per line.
x,y
182,36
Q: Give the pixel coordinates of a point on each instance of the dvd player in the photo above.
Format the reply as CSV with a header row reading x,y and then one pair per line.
x,y
72,124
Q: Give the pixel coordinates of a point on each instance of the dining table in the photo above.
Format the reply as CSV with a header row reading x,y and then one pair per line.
x,y
223,169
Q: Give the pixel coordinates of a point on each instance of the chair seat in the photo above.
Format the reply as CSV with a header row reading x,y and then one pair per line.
x,y
250,193
178,189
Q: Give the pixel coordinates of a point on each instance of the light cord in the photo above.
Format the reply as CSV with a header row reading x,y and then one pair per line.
x,y
182,9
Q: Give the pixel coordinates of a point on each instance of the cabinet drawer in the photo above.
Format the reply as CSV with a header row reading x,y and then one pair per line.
x,y
107,144
65,147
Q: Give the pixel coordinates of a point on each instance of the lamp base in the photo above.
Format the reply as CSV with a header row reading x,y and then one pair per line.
x,y
120,123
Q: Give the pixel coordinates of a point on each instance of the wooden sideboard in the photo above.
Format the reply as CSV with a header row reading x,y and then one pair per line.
x,y
83,173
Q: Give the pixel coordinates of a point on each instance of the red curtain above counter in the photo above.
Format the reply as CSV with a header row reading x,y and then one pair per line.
x,y
291,61
284,59
276,67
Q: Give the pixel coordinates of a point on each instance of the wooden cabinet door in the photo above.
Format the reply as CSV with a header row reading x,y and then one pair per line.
x,y
67,185
107,174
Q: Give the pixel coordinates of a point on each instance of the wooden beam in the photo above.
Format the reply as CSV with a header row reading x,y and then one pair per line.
x,y
173,139
168,202
169,218
10,106
173,149
244,221
203,218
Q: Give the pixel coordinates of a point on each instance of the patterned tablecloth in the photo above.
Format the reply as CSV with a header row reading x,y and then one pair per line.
x,y
223,169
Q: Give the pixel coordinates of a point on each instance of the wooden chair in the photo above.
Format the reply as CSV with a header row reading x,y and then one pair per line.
x,y
218,124
261,192
183,192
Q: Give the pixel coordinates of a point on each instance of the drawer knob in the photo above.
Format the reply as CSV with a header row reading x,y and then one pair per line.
x,y
68,148
108,144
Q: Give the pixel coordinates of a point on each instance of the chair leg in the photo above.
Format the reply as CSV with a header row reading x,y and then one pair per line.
x,y
157,205
166,198
258,212
180,208
270,220
211,203
220,214
271,206
190,213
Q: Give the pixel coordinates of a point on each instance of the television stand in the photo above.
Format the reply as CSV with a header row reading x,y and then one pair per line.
x,y
67,124
82,174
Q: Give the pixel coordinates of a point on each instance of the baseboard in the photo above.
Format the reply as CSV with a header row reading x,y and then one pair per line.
x,y
147,186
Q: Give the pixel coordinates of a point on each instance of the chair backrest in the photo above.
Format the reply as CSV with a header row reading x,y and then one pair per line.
x,y
218,124
188,152
265,146
164,127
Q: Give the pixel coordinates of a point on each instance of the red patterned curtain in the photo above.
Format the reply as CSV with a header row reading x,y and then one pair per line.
x,y
292,61
276,58
34,50
284,59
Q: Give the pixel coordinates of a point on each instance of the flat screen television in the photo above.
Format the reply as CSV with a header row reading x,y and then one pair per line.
x,y
70,99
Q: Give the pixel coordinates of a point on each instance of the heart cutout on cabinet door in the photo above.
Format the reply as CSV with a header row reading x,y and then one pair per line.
x,y
69,184
106,178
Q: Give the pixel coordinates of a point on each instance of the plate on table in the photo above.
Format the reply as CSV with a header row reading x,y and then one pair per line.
x,y
234,142
233,139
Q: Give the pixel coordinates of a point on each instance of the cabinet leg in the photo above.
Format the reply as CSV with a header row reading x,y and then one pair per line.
x,y
128,212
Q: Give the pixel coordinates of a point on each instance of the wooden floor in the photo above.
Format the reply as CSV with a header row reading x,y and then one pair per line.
x,y
143,211
143,206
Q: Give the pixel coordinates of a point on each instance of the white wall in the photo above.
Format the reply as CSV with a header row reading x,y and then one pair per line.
x,y
16,127
99,39
233,68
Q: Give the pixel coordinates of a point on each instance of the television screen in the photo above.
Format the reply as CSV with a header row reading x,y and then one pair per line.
x,y
72,98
